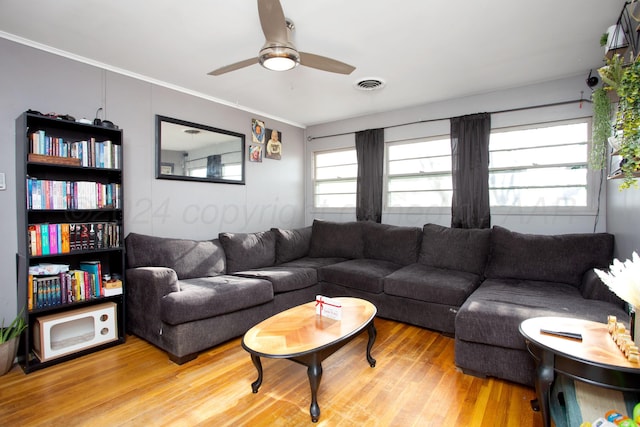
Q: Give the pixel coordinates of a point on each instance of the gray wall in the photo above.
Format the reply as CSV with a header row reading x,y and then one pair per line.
x,y
274,190
623,219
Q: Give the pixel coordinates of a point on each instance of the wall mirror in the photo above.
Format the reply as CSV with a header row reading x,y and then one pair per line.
x,y
194,152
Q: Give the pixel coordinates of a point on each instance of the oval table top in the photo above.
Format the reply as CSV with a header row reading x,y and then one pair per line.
x,y
300,330
596,348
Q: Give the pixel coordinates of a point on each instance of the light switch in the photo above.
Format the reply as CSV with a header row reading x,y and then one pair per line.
x,y
3,184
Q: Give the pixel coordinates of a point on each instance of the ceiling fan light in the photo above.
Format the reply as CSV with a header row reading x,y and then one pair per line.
x,y
279,58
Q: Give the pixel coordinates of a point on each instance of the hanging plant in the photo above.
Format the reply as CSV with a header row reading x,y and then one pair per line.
x,y
628,122
601,130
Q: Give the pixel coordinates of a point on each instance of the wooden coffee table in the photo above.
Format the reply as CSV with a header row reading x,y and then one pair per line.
x,y
300,335
595,359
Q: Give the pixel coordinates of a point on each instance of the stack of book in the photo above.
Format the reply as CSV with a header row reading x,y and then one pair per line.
x,y
51,239
91,153
52,285
50,194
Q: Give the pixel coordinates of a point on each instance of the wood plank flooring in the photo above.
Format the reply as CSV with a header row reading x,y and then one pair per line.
x,y
414,383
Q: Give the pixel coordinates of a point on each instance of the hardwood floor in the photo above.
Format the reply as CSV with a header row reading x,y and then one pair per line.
x,y
414,383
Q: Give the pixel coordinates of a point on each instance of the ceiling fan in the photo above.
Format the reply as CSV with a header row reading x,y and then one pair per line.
x,y
278,52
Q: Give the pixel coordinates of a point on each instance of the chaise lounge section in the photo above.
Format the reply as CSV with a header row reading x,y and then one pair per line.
x,y
185,296
530,276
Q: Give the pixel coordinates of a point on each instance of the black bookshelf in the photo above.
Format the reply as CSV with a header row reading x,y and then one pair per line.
x,y
53,171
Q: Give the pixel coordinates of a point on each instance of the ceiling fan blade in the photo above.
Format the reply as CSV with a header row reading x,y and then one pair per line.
x,y
233,67
273,21
325,64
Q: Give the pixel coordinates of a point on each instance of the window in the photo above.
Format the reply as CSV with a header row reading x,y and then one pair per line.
x,y
540,166
231,166
335,175
532,166
419,173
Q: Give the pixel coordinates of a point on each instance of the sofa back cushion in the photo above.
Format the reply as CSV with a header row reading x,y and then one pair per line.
x,y
396,244
292,244
336,239
461,249
560,258
189,258
245,251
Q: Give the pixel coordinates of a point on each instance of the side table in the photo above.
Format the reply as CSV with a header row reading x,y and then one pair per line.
x,y
595,359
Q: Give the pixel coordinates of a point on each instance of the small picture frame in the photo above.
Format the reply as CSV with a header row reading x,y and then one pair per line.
x,y
166,168
257,131
273,148
255,153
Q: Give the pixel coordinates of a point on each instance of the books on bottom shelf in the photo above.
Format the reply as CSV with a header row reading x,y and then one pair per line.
x,y
66,285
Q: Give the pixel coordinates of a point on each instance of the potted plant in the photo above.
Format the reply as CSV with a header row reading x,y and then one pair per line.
x,y
611,73
623,80
9,342
615,42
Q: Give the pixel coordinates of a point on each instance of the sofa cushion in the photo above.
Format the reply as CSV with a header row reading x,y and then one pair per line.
x,y
292,244
188,258
493,313
207,297
430,284
561,258
363,274
315,263
336,239
593,288
284,279
245,251
458,249
392,243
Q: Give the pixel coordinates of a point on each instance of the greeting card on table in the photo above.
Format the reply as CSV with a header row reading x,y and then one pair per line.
x,y
328,307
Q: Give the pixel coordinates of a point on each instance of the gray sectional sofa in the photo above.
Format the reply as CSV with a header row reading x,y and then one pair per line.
x,y
185,296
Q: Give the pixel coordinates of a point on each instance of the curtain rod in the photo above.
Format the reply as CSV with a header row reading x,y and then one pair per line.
x,y
510,110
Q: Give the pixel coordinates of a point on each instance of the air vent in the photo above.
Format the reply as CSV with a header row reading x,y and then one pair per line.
x,y
369,84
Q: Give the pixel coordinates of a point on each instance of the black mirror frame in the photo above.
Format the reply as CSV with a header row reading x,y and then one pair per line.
x,y
159,175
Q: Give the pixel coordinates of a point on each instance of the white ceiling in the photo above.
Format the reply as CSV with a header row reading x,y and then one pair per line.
x,y
425,50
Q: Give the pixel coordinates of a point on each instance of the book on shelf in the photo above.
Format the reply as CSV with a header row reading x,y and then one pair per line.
x,y
90,153
52,239
94,270
64,195
61,285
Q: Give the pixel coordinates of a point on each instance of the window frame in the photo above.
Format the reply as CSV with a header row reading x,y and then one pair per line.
x,y
385,195
330,209
592,176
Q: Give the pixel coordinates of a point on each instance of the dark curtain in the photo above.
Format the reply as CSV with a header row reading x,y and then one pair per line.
x,y
214,166
370,154
470,171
